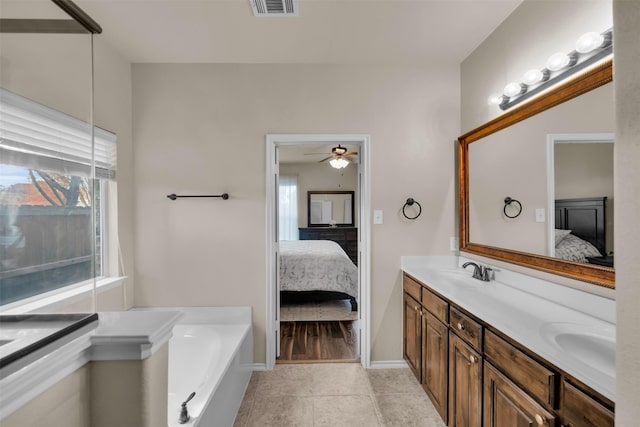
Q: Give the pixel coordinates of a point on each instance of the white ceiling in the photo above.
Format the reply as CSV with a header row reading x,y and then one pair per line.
x,y
326,31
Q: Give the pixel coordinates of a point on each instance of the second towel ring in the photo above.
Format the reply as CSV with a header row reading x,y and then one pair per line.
x,y
411,202
507,202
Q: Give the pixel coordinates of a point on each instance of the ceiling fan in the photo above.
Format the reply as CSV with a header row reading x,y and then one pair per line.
x,y
340,157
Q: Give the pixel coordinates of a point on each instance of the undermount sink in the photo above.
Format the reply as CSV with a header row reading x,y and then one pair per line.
x,y
592,345
459,277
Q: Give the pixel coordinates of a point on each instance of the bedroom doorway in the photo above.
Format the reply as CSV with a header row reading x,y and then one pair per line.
x,y
317,311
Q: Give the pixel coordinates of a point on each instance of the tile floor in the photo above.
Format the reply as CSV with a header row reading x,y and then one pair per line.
x,y
335,395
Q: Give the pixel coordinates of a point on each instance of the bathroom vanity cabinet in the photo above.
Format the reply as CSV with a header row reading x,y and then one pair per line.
x,y
426,341
412,335
475,375
465,370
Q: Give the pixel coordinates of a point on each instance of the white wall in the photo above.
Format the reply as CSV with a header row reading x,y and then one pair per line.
x,y
321,177
627,194
200,128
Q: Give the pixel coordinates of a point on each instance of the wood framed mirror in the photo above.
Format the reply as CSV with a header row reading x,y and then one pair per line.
x,y
570,90
330,208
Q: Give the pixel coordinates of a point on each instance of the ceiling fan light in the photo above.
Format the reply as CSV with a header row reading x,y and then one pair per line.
x,y
338,163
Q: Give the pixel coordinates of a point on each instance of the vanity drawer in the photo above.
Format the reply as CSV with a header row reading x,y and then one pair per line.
x,y
412,287
534,377
436,305
578,409
467,328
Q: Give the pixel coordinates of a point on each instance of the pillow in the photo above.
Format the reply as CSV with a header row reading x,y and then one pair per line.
x,y
561,234
573,248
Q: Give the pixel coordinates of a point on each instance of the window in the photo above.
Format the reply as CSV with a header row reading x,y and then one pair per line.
x,y
288,208
53,203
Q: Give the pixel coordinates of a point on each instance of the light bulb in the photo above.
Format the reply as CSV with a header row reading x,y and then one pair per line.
x,y
494,99
532,77
558,61
338,163
589,41
513,89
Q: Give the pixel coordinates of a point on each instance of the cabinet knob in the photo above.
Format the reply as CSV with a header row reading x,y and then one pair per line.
x,y
474,359
460,326
416,308
539,419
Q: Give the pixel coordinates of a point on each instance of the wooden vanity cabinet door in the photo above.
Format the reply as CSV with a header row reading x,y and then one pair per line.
x,y
577,409
505,404
435,361
465,384
412,325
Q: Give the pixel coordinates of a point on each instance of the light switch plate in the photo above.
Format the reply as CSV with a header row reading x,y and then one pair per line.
x,y
377,217
453,243
540,215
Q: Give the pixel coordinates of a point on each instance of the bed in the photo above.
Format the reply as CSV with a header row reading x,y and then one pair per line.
x,y
312,270
580,233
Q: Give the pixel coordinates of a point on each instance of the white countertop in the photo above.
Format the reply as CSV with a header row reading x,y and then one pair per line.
x,y
537,321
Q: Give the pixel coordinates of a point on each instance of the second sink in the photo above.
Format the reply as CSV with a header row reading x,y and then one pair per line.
x,y
592,345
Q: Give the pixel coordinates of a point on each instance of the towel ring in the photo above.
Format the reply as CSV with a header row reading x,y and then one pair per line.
x,y
507,202
411,202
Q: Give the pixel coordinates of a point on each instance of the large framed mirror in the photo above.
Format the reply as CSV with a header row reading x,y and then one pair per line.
x,y
330,208
512,156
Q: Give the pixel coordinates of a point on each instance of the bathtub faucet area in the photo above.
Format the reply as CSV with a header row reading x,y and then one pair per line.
x,y
184,413
210,364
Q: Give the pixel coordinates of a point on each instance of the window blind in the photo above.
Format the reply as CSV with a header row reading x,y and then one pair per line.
x,y
39,137
288,207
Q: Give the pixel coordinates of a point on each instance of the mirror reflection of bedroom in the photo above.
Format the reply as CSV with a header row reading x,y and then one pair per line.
x,y
318,253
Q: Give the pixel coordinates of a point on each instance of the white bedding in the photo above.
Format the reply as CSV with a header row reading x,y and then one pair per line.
x,y
316,265
573,248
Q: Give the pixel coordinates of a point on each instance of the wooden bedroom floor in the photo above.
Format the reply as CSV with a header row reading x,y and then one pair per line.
x,y
319,342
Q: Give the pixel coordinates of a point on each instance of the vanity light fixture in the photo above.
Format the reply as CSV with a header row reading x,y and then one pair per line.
x,y
514,89
591,41
590,48
560,60
534,76
338,163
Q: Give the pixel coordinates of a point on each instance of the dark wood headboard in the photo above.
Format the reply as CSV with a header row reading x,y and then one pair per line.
x,y
585,218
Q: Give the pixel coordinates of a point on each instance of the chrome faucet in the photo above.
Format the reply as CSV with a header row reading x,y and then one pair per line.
x,y
184,414
480,272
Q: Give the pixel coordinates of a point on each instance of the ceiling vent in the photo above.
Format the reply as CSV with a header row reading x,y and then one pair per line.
x,y
274,7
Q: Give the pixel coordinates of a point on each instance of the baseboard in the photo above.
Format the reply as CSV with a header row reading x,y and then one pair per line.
x,y
259,366
387,364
